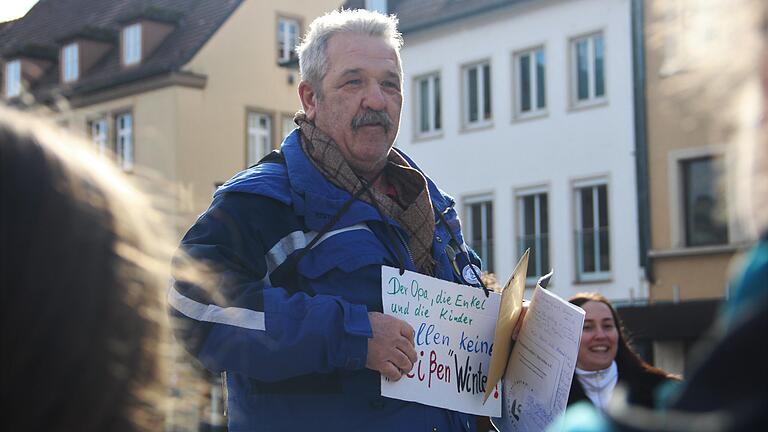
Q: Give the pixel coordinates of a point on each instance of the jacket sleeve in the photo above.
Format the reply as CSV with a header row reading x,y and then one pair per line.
x,y
232,318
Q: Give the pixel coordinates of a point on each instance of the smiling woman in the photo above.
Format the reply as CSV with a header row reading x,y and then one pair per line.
x,y
606,359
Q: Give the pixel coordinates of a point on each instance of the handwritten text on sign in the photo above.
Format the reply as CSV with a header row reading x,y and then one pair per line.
x,y
453,331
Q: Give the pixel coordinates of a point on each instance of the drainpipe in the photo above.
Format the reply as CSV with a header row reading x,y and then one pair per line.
x,y
641,137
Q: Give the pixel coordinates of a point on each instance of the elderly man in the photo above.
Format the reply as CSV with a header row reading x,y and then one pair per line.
x,y
296,244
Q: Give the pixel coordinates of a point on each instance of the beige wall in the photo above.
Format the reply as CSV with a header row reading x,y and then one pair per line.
x,y
240,61
154,136
697,277
684,119
195,138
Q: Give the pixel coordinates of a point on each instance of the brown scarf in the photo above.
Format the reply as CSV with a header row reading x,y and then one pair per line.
x,y
413,207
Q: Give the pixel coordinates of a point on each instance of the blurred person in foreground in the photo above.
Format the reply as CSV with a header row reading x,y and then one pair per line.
x,y
297,243
83,270
606,360
728,387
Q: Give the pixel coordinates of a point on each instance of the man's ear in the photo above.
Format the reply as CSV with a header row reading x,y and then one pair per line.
x,y
308,98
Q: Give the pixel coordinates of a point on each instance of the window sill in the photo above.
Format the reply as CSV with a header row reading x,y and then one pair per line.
x,y
699,250
288,64
588,104
428,136
594,279
476,126
535,115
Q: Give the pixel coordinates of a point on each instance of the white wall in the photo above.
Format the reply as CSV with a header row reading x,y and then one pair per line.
x,y
554,150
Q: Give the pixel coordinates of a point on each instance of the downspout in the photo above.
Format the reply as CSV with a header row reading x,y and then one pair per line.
x,y
641,136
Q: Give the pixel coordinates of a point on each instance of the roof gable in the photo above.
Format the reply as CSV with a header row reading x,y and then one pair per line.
x,y
51,21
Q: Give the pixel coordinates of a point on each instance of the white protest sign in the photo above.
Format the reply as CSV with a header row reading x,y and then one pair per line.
x,y
453,327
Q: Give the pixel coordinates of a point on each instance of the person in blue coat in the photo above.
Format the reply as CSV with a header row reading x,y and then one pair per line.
x,y
290,307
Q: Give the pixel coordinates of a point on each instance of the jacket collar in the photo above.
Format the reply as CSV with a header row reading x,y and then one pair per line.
x,y
321,195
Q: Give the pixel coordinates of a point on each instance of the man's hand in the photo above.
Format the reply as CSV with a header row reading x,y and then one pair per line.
x,y
390,351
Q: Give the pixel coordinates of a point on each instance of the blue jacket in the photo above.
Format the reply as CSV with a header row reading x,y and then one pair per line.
x,y
292,337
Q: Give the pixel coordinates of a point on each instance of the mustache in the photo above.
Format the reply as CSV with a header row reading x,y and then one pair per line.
x,y
371,117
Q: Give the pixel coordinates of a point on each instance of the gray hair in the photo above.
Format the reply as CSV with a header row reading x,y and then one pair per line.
x,y
313,63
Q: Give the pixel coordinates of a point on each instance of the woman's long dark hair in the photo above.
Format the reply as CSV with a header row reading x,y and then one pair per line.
x,y
628,361
82,303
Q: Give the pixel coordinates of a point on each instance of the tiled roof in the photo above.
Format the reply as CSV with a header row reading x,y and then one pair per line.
x,y
5,25
420,14
51,20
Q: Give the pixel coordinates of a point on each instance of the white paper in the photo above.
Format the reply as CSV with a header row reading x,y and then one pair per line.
x,y
453,332
539,373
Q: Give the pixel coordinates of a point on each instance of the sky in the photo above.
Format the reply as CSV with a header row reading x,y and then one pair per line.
x,y
12,9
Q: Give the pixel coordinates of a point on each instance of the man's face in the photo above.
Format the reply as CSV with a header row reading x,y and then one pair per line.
x,y
361,100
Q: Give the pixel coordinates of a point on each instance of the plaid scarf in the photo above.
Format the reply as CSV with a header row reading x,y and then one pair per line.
x,y
412,208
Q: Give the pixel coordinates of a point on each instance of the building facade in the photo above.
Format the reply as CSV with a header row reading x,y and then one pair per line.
x,y
192,90
523,111
694,232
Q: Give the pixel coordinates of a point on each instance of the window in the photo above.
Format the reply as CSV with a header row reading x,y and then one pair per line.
x,y
70,63
480,223
132,44
376,5
124,140
428,105
592,232
533,232
530,83
259,137
288,125
13,78
588,69
704,206
477,94
99,134
287,38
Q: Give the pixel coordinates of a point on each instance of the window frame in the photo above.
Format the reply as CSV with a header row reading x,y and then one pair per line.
x,y
131,51
292,54
70,62
736,233
377,5
126,154
269,135
434,105
598,275
481,122
519,196
684,166
102,140
517,93
573,72
12,79
487,250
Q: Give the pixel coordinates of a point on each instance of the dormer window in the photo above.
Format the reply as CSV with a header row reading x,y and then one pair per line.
x,y
70,62
13,78
132,44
